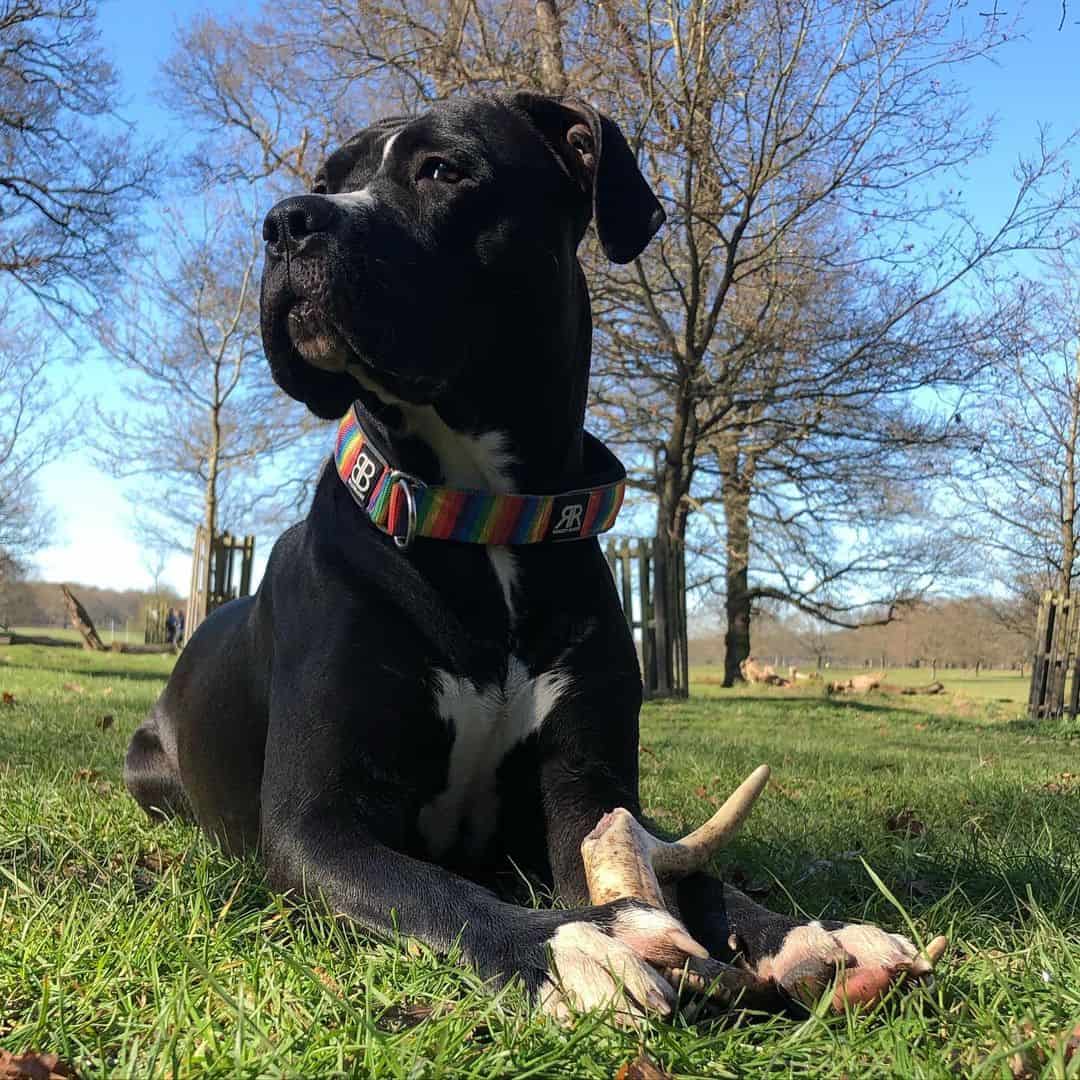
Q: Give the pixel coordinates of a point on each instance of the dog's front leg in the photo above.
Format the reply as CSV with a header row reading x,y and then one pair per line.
x,y
588,767
580,958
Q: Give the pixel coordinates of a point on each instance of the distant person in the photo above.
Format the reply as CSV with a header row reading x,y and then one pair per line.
x,y
180,626
170,627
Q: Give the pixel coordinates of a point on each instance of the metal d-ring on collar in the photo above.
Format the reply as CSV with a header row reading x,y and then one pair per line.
x,y
400,479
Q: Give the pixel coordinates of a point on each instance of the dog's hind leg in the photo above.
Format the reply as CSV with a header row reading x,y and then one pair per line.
x,y
151,775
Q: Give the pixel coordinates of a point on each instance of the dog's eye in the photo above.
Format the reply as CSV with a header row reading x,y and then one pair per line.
x,y
440,170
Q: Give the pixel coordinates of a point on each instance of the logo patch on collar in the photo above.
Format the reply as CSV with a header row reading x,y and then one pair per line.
x,y
568,515
364,477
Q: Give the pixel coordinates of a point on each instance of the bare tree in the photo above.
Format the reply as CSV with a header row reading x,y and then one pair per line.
x,y
761,357
1019,484
206,428
71,178
30,419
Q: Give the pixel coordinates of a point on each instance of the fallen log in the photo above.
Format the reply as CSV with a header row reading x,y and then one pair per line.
x,y
865,683
38,639
929,688
141,650
754,672
860,684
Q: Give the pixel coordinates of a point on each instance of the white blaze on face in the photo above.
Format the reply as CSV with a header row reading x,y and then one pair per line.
x,y
363,196
488,722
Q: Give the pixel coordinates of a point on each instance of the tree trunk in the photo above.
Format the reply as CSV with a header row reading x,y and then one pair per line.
x,y
213,467
669,608
736,495
552,67
737,608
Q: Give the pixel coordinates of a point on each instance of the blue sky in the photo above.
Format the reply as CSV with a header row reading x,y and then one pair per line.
x,y
1034,81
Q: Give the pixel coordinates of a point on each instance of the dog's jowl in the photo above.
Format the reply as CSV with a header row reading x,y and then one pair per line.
x,y
434,687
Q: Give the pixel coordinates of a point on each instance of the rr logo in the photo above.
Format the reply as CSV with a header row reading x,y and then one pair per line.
x,y
569,519
363,475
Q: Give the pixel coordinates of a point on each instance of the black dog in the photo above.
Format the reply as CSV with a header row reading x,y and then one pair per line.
x,y
394,724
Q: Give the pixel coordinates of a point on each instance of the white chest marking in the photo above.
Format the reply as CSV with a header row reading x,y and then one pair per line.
x,y
488,722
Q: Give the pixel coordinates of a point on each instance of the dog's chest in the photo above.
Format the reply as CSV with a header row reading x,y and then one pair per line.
x,y
486,721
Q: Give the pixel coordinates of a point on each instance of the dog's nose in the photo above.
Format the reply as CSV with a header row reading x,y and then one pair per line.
x,y
293,220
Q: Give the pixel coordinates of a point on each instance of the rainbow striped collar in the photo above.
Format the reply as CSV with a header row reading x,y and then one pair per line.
x,y
404,507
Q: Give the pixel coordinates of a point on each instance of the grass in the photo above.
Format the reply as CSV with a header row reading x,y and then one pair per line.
x,y
134,950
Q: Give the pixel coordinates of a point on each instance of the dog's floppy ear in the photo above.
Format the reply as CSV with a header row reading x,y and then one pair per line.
x,y
594,152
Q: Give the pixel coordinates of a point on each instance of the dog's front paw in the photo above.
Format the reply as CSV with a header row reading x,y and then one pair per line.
x,y
606,960
861,962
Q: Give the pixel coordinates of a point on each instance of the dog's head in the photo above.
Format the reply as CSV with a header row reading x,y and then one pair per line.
x,y
422,235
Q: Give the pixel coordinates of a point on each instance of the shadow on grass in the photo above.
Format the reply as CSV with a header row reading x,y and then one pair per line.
x,y
780,700
77,660
980,882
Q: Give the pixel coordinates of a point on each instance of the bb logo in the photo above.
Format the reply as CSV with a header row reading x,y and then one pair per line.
x,y
363,476
569,519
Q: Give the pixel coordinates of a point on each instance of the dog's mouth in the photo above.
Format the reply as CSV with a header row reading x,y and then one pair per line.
x,y
317,341
324,345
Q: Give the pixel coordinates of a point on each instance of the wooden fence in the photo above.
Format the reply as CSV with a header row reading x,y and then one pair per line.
x,y
653,593
220,571
1055,668
155,633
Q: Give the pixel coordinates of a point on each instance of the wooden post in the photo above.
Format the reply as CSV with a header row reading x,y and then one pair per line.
x,y
82,622
245,569
1055,682
648,618
682,672
1042,631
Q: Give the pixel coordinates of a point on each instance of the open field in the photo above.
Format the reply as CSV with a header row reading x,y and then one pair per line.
x,y
1003,687
134,950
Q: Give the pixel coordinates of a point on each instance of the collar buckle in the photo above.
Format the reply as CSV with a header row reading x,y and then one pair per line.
x,y
398,479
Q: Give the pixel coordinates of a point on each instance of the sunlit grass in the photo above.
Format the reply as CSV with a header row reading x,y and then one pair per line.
x,y
135,950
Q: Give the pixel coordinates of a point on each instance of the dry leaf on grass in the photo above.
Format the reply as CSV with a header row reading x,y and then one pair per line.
x,y
789,793
34,1066
1030,1062
8,698
86,774
105,722
157,862
328,980
75,688
408,1015
702,792
905,823
642,1068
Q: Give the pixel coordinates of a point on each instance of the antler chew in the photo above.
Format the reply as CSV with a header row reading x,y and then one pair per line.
x,y
623,860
